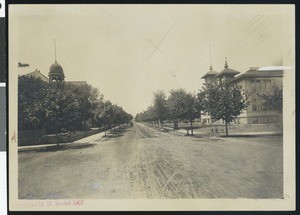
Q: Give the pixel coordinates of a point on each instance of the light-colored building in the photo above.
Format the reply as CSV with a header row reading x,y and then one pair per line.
x,y
213,77
256,83
209,78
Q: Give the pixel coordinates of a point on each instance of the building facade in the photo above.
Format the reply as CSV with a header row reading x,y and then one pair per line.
x,y
255,83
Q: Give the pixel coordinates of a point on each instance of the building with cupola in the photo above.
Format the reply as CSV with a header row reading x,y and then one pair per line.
x,y
227,74
209,77
255,82
56,73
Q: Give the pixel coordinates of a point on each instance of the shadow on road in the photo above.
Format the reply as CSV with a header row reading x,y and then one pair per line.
x,y
195,135
250,135
118,132
55,148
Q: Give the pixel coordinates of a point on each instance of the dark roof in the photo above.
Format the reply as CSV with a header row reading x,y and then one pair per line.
x,y
256,73
37,74
56,70
209,73
227,71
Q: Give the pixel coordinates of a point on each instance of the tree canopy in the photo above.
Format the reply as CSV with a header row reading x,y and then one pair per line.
x,y
160,106
176,105
222,101
59,107
273,100
225,101
180,105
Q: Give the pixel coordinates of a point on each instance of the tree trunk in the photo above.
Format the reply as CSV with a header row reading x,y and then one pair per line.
x,y
175,124
84,124
57,142
226,128
192,132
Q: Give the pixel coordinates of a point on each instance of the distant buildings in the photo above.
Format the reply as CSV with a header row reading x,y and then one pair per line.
x,y
37,74
255,83
56,74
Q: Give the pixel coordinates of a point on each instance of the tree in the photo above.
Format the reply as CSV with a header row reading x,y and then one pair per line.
x,y
87,97
225,101
273,100
61,107
192,108
109,115
31,92
99,105
105,115
147,116
117,115
176,105
160,106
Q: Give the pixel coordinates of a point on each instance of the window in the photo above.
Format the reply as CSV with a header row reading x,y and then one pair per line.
x,y
255,121
253,86
254,103
264,108
263,86
257,86
259,107
268,85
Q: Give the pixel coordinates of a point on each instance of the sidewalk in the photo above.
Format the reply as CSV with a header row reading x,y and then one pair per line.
x,y
254,134
93,139
222,134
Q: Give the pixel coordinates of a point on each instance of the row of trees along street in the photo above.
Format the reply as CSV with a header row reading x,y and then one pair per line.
x,y
222,101
60,107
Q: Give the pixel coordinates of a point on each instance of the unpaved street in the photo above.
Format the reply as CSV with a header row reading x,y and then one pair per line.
x,y
142,162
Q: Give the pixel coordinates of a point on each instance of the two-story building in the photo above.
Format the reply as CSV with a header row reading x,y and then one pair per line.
x,y
256,83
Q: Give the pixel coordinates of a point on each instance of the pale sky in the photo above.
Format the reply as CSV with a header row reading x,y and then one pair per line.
x,y
111,46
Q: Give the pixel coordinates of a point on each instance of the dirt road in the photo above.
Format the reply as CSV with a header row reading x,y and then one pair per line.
x,y
142,162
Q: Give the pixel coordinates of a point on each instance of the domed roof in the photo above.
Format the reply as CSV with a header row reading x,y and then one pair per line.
x,y
56,70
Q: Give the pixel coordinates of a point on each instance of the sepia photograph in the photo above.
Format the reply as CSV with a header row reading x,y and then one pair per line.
x,y
151,107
